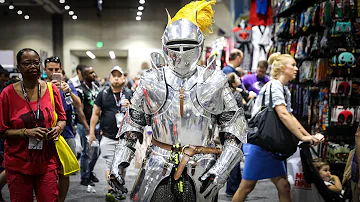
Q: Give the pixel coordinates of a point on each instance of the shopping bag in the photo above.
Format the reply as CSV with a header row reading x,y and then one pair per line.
x,y
78,144
49,84
300,190
69,163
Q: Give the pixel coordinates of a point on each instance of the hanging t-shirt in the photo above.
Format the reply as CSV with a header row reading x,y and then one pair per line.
x,y
260,19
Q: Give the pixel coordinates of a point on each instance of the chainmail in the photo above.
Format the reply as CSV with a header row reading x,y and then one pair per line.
x,y
168,190
138,117
225,117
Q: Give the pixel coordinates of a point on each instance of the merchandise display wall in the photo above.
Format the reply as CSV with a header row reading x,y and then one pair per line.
x,y
324,38
253,37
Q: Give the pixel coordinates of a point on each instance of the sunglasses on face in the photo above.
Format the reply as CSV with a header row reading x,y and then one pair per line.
x,y
54,59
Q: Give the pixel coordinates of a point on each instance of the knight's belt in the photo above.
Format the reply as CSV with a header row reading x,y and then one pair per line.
x,y
188,151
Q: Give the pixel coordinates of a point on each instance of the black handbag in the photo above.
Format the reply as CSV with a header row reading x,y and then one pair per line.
x,y
267,131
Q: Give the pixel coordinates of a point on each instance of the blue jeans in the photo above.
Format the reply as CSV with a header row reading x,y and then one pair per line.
x,y
87,163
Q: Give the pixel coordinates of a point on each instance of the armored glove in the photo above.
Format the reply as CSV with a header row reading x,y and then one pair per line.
x,y
214,179
122,159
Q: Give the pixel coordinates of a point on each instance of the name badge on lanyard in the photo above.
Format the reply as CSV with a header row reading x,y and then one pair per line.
x,y
118,116
34,143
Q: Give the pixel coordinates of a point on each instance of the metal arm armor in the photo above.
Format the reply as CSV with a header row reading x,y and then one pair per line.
x,y
135,118
123,156
230,156
232,119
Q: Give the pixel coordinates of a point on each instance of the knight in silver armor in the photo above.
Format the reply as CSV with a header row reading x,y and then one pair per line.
x,y
183,103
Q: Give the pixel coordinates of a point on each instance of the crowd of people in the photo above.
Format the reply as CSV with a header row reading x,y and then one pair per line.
x,y
84,107
95,111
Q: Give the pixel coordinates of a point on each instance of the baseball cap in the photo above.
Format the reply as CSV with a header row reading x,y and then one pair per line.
x,y
117,68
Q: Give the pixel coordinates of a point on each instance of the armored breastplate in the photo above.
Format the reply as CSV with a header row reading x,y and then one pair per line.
x,y
194,126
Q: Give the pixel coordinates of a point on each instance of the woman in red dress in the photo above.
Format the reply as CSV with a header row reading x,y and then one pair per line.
x,y
26,117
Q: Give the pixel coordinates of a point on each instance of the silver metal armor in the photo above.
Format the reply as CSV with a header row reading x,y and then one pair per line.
x,y
183,103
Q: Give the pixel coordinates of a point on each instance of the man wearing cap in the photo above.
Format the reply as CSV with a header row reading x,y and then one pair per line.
x,y
110,107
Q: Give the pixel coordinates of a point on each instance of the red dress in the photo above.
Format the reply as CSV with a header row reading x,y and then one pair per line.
x,y
16,114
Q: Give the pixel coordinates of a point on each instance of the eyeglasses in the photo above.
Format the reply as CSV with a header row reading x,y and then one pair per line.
x,y
28,64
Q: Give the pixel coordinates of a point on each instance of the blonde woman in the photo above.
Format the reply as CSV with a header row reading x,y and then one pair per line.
x,y
259,163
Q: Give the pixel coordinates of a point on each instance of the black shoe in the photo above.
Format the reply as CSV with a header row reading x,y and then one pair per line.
x,y
87,182
93,177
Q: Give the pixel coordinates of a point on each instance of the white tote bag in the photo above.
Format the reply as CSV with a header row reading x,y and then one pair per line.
x,y
300,190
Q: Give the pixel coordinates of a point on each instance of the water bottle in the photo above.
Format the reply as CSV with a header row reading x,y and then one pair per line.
x,y
68,98
95,143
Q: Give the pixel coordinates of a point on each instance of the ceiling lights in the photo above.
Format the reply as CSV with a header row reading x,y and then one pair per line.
x,y
112,54
71,12
62,1
140,9
2,1
90,54
19,11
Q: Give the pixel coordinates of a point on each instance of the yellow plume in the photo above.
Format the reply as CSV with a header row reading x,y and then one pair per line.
x,y
199,13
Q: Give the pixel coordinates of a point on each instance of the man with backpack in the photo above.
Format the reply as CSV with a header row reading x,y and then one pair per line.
x,y
110,107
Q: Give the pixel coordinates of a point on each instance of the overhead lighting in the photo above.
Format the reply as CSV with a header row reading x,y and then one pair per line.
x,y
26,17
19,12
67,7
140,8
74,17
11,7
90,54
62,1
139,13
2,1
142,1
138,18
112,54
71,12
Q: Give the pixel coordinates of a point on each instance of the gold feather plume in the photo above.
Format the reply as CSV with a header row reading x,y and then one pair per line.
x,y
199,13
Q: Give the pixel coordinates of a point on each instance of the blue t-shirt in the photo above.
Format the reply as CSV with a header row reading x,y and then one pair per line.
x,y
228,69
68,130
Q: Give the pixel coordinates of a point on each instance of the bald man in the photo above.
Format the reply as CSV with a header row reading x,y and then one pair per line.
x,y
235,60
